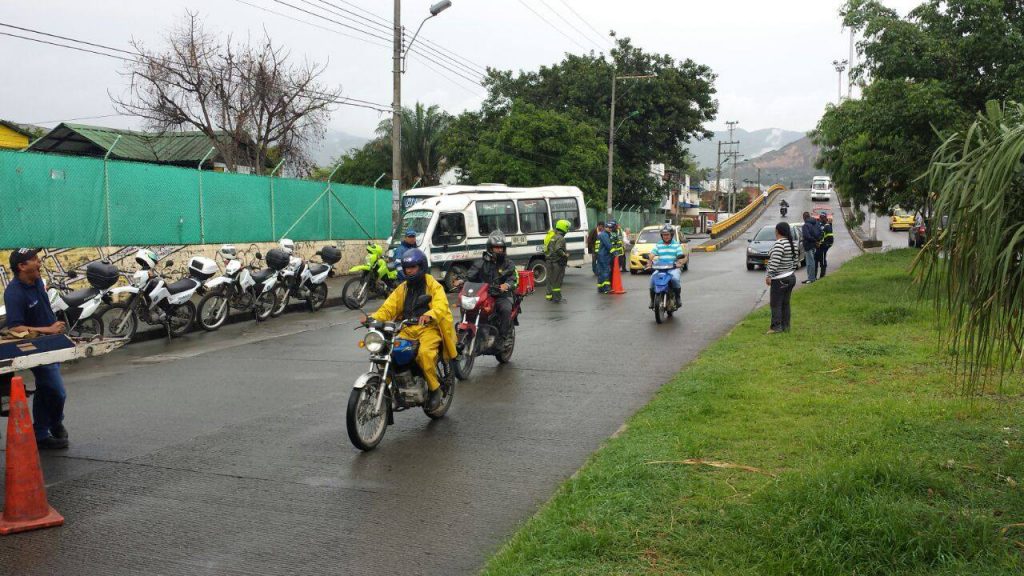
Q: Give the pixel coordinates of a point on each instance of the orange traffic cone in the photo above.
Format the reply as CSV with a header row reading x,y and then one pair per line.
x,y
616,278
25,506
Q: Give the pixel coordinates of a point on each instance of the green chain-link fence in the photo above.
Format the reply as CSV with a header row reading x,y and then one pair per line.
x,y
66,201
632,219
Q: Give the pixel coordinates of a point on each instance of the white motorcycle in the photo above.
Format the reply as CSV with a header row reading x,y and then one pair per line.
x,y
305,280
77,309
239,288
154,301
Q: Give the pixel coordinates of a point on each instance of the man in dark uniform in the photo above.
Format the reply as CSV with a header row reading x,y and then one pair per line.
x,y
28,310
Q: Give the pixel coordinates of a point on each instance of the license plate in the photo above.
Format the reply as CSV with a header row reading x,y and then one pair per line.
x,y
519,240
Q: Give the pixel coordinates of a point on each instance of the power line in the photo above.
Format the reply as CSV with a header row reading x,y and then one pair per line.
x,y
76,119
323,95
584,20
549,23
307,22
342,24
571,25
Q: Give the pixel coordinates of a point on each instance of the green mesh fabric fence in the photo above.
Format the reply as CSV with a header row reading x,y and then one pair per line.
x,y
632,219
65,201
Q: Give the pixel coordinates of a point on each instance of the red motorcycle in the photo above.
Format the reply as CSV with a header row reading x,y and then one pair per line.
x,y
477,334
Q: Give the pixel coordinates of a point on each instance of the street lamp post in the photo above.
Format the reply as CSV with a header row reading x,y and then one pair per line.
x,y
840,66
612,129
398,67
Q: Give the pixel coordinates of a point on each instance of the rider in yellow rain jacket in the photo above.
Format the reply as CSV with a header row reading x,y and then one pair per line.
x,y
436,329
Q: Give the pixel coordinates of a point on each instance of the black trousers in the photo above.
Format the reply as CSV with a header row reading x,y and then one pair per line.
x,y
503,308
821,260
781,290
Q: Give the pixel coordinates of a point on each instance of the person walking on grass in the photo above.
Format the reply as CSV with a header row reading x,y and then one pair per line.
x,y
780,276
811,236
827,239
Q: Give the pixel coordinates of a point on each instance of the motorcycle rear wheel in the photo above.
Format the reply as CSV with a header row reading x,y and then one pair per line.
x,y
212,311
181,318
120,321
365,431
356,292
281,295
447,390
317,297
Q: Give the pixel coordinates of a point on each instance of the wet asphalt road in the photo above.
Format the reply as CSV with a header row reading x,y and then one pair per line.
x,y
226,453
891,239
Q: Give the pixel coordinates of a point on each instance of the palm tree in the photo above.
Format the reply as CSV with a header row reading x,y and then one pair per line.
x,y
422,129
972,264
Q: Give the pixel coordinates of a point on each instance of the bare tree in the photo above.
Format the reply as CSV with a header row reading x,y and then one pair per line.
x,y
253,105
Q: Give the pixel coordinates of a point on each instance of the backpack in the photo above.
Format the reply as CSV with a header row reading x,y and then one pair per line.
x,y
548,238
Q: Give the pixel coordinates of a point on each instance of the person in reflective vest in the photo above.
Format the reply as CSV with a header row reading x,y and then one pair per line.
x,y
557,256
827,239
618,247
593,245
604,262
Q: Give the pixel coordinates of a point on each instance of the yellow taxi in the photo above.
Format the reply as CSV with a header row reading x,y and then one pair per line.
x,y
644,242
901,220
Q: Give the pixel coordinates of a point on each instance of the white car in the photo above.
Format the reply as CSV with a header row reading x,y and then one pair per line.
x,y
821,189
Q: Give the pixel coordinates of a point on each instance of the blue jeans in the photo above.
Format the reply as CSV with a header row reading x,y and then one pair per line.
x,y
48,401
812,268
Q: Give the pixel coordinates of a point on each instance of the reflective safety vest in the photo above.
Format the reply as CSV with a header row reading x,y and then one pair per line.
x,y
618,248
547,239
827,238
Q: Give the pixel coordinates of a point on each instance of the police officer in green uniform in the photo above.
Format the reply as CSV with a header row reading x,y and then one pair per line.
x,y
557,257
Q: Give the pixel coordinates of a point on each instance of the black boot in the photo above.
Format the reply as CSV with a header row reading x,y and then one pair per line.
x,y
679,299
434,399
651,306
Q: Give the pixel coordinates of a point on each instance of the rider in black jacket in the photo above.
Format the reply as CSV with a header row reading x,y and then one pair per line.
x,y
496,269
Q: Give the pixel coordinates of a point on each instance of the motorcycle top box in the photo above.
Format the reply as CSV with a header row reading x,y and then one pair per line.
x,y
526,283
101,275
202,268
277,259
330,254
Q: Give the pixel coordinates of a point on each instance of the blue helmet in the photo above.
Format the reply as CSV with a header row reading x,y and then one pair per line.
x,y
410,232
415,257
612,223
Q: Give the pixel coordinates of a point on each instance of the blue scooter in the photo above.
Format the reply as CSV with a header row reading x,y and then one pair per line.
x,y
664,297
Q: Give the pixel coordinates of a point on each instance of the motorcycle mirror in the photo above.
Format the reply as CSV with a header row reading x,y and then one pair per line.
x,y
168,263
259,256
73,274
750,239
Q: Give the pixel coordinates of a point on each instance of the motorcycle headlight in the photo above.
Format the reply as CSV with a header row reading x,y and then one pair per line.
x,y
374,341
469,302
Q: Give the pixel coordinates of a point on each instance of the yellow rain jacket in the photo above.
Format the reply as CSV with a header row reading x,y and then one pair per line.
x,y
440,331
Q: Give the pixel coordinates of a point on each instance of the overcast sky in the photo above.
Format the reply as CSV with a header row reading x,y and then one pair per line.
x,y
773,59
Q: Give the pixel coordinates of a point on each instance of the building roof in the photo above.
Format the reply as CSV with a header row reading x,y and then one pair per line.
x,y
23,129
155,147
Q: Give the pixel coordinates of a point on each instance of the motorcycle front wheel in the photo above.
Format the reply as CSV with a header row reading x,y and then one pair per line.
x,y
181,318
463,365
659,307
265,305
281,296
366,430
317,297
505,356
120,321
356,292
212,311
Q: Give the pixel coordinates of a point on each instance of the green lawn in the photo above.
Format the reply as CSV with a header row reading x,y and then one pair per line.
x,y
862,458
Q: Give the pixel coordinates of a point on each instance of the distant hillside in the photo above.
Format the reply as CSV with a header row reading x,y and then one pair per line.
x,y
335,144
752,144
791,163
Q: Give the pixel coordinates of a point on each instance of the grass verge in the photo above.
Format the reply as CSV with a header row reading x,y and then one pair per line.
x,y
840,448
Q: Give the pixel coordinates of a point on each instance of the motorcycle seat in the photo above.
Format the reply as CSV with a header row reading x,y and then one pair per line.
x,y
262,276
318,269
182,285
79,297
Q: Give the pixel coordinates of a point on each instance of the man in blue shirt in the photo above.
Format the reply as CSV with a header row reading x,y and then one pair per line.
x,y
668,252
604,262
28,308
407,243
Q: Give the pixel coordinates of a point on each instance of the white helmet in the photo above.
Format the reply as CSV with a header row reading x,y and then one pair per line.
x,y
146,258
228,252
287,245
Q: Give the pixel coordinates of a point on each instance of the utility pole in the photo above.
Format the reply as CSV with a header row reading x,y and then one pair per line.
x,y
733,152
718,176
396,121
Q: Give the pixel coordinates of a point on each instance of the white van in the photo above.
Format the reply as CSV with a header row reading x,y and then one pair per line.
x,y
821,189
452,224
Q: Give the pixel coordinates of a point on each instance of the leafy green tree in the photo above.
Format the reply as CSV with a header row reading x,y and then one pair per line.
x,y
535,147
365,165
924,75
664,113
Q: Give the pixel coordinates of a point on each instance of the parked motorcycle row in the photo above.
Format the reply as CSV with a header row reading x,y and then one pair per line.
x,y
153,298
